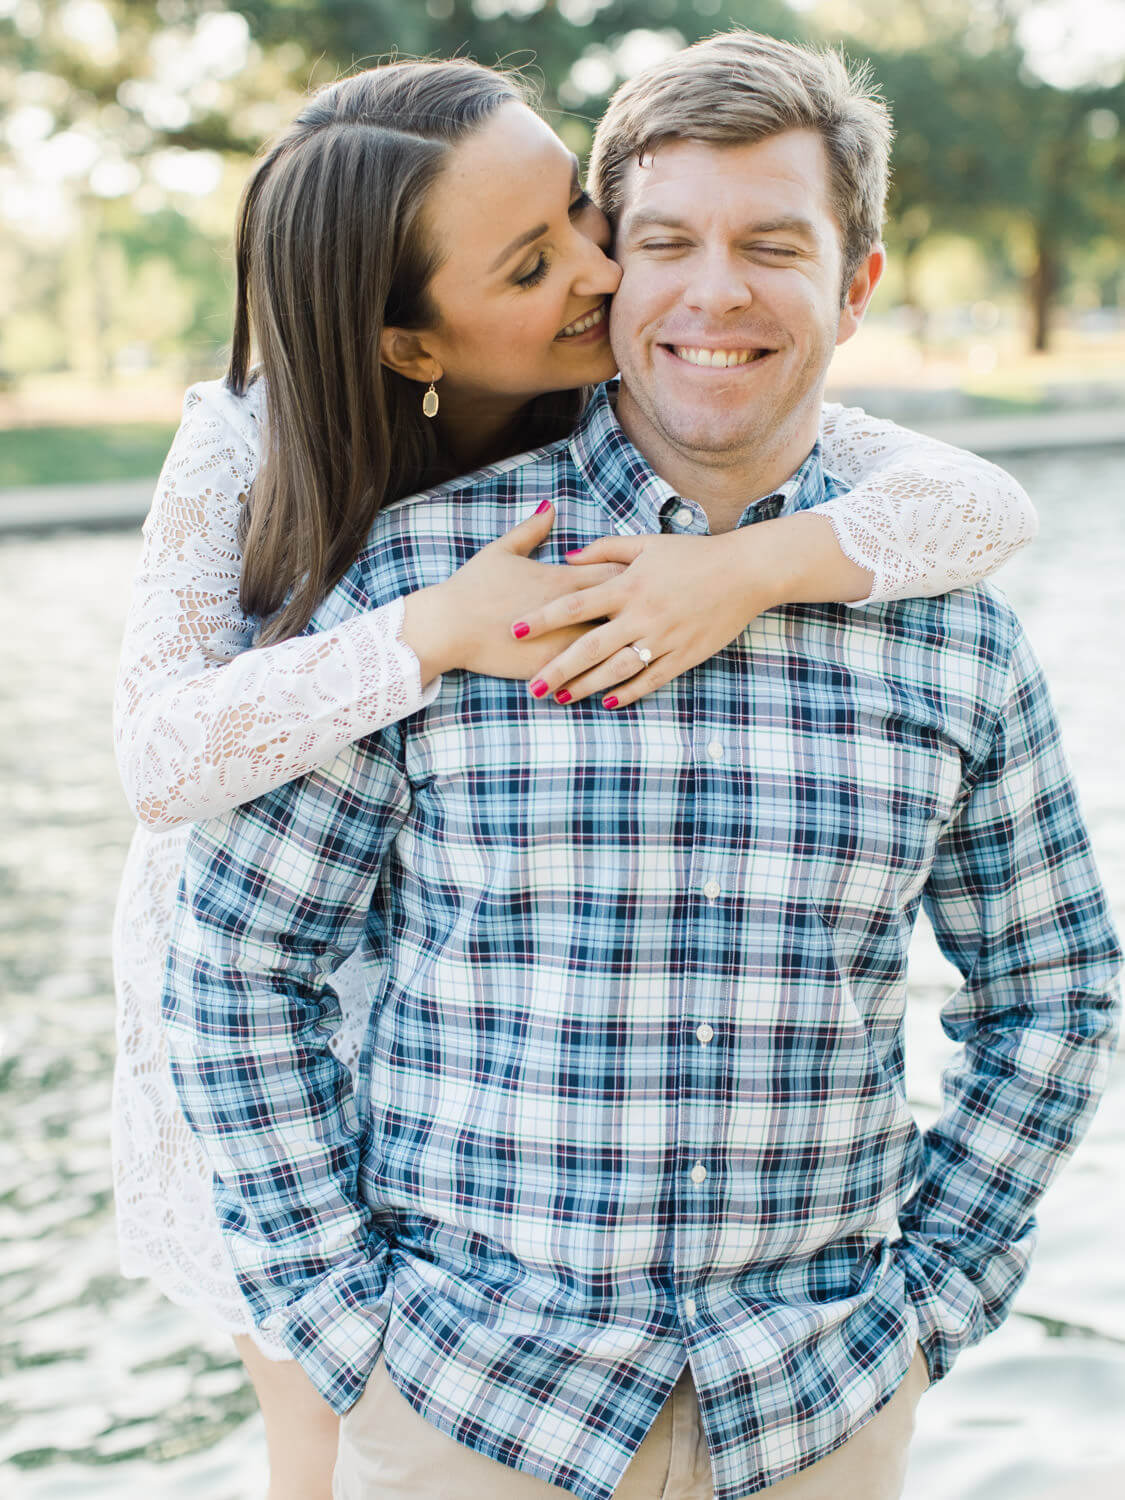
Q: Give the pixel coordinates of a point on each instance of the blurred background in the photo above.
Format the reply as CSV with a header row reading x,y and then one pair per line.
x,y
128,128
126,132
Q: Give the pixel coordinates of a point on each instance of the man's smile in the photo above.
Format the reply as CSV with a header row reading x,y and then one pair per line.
x,y
729,355
715,359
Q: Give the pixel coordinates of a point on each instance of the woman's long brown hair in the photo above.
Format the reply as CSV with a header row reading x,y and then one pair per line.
x,y
329,249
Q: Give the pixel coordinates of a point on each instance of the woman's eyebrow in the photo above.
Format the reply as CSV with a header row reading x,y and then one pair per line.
x,y
517,244
530,234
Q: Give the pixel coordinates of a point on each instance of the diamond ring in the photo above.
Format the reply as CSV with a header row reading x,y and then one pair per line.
x,y
644,653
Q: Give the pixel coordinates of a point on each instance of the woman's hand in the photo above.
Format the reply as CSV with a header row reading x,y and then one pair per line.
x,y
683,598
463,621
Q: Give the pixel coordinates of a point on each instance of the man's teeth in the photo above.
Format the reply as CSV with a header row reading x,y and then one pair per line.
x,y
718,359
572,330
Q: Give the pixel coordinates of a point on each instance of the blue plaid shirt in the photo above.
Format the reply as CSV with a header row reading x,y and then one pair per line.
x,y
632,1090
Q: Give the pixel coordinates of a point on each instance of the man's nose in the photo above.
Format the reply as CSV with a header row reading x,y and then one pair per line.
x,y
717,283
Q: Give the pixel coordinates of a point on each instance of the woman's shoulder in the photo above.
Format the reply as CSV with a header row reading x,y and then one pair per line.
x,y
213,403
214,459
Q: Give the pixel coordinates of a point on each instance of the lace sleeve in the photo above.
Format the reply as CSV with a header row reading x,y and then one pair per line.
x,y
202,723
924,517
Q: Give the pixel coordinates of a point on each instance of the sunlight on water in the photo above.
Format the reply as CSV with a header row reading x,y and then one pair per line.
x,y
106,1390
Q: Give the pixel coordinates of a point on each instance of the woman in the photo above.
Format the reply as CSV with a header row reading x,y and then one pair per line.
x,y
354,246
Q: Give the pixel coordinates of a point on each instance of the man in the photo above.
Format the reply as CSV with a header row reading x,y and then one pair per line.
x,y
631,1201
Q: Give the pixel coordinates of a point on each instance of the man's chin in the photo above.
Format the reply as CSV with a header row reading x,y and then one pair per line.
x,y
705,436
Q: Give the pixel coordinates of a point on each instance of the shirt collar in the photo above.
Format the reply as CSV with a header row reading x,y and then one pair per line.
x,y
641,501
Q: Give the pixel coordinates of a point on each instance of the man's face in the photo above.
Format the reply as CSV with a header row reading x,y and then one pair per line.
x,y
729,307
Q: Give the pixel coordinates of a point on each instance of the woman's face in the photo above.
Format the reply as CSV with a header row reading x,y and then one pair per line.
x,y
522,291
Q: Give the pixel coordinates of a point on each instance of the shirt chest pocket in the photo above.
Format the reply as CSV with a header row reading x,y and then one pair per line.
x,y
843,817
879,805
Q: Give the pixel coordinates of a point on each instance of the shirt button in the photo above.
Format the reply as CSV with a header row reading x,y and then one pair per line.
x,y
683,517
704,1033
689,1309
698,1173
711,890
715,750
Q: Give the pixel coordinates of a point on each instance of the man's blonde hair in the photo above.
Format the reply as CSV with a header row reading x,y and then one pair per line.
x,y
741,87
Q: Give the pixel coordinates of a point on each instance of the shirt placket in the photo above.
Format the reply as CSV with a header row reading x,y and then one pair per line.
x,y
698,1022
705,1024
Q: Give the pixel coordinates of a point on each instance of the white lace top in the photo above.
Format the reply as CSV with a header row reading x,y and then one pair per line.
x,y
198,732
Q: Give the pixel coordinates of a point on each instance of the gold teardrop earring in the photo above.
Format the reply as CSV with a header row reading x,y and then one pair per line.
x,y
430,402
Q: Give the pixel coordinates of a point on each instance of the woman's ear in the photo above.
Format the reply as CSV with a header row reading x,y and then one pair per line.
x,y
405,352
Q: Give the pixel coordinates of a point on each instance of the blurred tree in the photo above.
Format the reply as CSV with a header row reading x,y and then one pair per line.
x,y
551,34
99,92
123,103
986,145
143,68
983,142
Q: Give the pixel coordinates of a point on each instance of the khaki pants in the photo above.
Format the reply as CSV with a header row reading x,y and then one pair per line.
x,y
389,1452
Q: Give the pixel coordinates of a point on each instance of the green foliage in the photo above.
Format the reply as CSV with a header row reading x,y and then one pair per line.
x,y
82,455
985,148
1033,174
546,38
554,33
197,266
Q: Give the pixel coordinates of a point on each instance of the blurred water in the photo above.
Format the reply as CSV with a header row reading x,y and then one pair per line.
x,y
106,1390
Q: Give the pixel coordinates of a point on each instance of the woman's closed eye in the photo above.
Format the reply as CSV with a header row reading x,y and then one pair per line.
x,y
542,264
537,272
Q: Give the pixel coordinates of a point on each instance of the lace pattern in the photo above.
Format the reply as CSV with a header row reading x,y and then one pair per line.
x,y
923,517
197,735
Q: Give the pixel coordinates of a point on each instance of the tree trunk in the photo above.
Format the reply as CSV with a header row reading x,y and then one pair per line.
x,y
1042,285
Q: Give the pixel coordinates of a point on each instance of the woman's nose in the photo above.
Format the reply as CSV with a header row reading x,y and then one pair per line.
x,y
598,275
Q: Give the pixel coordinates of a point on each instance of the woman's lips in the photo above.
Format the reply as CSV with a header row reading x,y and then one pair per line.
x,y
590,323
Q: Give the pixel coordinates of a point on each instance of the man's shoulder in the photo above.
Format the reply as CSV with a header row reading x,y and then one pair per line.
x,y
423,537
979,614
473,495
959,645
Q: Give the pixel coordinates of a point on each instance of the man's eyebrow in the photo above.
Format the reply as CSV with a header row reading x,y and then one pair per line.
x,y
530,235
791,223
647,218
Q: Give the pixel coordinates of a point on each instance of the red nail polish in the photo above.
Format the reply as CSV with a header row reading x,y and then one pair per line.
x,y
544,505
520,629
538,687
576,553
610,702
562,696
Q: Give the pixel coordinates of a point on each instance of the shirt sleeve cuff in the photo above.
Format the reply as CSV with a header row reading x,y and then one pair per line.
x,y
335,1330
955,1309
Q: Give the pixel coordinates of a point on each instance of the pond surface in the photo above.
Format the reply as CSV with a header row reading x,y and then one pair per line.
x,y
107,1390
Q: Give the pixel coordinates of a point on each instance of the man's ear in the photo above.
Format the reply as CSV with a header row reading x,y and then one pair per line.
x,y
860,290
405,351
